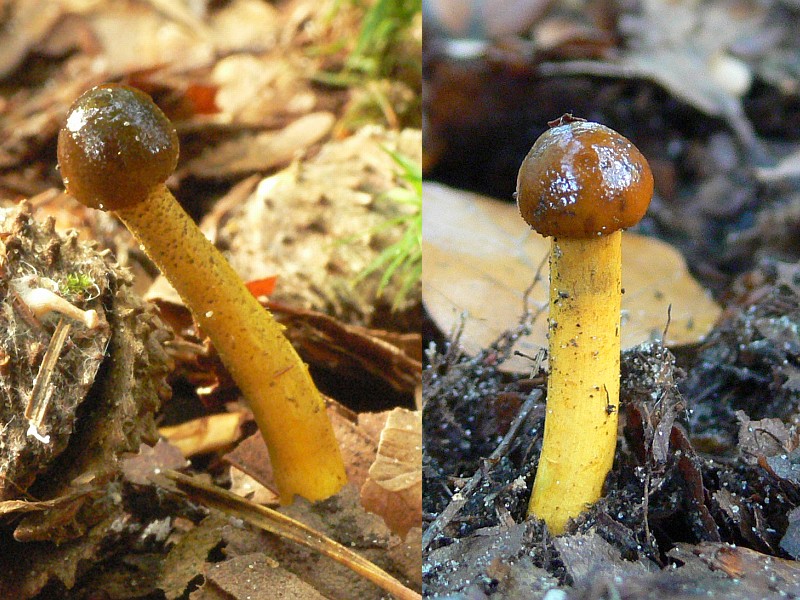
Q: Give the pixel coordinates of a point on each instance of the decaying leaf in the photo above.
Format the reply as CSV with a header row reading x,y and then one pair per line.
x,y
263,151
139,469
479,258
263,578
188,556
352,352
394,487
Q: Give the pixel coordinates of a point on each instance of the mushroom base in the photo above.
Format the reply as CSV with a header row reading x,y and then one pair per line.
x,y
580,431
287,407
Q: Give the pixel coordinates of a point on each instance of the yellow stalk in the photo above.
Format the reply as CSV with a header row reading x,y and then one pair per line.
x,y
287,406
580,431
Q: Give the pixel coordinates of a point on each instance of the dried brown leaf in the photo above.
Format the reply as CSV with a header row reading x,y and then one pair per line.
x,y
245,26
256,576
394,487
139,469
131,36
263,151
210,433
351,351
188,557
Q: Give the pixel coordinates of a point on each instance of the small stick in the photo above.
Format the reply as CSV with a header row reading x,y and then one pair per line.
x,y
42,390
290,529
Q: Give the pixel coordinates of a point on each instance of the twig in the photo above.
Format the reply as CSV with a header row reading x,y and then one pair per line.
x,y
40,395
281,525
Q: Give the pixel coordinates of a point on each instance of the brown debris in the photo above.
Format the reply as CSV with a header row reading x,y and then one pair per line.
x,y
103,388
394,487
264,578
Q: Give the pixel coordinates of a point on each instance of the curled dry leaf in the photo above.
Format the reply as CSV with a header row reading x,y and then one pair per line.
x,y
479,257
210,433
394,487
351,351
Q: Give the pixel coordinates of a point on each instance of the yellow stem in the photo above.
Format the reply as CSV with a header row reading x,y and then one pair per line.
x,y
580,431
288,408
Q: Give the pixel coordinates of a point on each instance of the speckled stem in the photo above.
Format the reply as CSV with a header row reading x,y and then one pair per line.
x,y
287,406
580,431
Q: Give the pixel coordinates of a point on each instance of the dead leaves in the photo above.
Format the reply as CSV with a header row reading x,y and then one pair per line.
x,y
394,487
383,453
263,151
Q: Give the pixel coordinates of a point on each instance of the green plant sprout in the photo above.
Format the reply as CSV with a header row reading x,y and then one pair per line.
x,y
383,70
402,259
385,25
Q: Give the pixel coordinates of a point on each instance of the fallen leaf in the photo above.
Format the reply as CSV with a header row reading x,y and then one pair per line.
x,y
140,468
188,556
257,576
479,257
757,574
263,151
394,487
262,287
588,554
248,487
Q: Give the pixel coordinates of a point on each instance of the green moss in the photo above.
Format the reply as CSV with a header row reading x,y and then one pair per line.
x,y
76,285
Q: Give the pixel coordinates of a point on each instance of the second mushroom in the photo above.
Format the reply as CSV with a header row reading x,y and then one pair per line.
x,y
581,184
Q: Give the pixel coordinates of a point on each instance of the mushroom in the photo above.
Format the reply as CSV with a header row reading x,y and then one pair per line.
x,y
581,184
115,152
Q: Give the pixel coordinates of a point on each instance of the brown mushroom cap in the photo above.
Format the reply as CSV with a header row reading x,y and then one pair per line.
x,y
115,147
582,179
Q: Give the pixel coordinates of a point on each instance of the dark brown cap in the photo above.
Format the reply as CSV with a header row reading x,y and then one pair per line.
x,y
115,147
582,179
